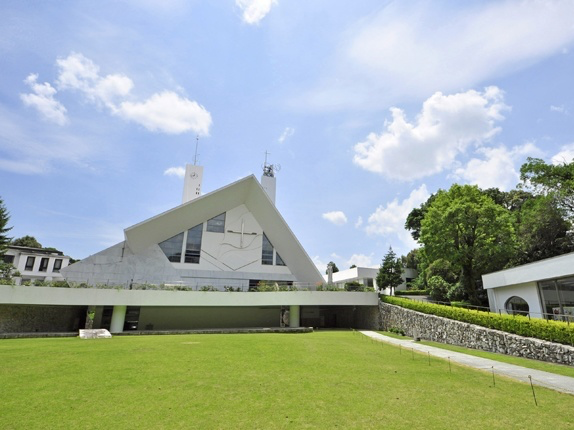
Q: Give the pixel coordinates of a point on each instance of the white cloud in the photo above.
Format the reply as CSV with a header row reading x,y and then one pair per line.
x,y
361,260
359,222
445,127
559,109
164,112
168,113
565,155
288,132
497,168
254,10
410,49
175,171
320,264
42,99
336,217
390,219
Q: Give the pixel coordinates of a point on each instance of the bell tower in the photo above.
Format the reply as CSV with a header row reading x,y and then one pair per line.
x,y
193,179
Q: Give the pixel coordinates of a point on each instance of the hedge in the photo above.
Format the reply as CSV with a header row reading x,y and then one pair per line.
x,y
412,293
553,331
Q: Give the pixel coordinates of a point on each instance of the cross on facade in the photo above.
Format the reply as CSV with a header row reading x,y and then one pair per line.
x,y
242,232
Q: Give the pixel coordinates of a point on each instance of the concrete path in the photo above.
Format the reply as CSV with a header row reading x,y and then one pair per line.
x,y
561,383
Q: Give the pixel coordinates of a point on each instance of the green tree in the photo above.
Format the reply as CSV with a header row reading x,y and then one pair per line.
x,y
29,241
335,268
549,179
415,217
391,271
466,227
4,229
5,268
542,231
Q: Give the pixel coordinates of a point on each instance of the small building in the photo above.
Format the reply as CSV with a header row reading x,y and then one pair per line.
x,y
543,289
367,276
36,263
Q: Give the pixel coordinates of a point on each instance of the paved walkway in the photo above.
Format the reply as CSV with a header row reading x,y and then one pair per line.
x,y
553,381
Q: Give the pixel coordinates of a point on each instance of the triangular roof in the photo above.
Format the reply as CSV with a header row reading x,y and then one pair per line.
x,y
247,191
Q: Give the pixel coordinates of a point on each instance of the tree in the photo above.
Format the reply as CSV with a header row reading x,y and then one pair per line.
x,y
353,266
466,227
390,272
29,241
4,229
415,217
547,179
5,268
335,268
542,231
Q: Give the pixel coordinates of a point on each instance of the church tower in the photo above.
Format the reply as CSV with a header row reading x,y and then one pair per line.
x,y
268,181
193,179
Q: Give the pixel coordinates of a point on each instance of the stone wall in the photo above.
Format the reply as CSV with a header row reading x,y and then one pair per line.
x,y
38,319
444,330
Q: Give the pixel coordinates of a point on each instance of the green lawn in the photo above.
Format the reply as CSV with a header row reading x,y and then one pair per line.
x,y
316,380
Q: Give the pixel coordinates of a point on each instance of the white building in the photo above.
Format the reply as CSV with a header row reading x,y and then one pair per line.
x,y
36,263
229,241
367,276
543,289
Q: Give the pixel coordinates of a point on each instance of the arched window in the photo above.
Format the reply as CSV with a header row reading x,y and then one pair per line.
x,y
516,306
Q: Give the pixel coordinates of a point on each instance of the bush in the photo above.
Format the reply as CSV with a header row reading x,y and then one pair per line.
x,y
553,331
412,293
438,289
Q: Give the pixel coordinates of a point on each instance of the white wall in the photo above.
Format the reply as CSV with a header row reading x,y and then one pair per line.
x,y
110,297
226,260
528,291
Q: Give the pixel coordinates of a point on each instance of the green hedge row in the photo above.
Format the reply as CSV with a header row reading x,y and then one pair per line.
x,y
553,331
412,293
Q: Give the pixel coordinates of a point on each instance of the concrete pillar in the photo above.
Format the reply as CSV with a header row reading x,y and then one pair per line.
x,y
294,320
118,319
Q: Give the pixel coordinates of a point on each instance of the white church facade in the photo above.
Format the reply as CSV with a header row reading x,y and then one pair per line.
x,y
199,264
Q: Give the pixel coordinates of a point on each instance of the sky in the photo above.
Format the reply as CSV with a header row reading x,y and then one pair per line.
x,y
368,106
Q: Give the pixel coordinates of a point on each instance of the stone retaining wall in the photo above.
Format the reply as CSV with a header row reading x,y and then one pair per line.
x,y
444,330
31,318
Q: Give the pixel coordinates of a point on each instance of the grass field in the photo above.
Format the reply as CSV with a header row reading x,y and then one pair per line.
x,y
316,380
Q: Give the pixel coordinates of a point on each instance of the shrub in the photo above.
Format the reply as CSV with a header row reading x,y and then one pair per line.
x,y
553,331
412,293
438,289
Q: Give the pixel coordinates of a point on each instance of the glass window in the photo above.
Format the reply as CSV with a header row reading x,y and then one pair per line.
x,y
8,259
278,260
216,224
517,306
267,252
44,264
57,265
172,248
30,263
193,244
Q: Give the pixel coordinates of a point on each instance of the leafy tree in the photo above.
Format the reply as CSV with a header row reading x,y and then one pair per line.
x,y
353,266
29,241
547,179
390,272
4,229
542,231
411,261
466,227
415,217
335,268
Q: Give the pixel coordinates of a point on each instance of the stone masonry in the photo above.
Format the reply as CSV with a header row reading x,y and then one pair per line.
x,y
444,330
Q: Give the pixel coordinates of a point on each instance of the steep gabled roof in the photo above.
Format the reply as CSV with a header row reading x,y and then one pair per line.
x,y
247,191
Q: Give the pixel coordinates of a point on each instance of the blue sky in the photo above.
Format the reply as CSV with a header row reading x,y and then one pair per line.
x,y
368,106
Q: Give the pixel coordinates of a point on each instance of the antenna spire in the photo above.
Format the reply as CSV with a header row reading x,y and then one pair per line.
x,y
270,169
